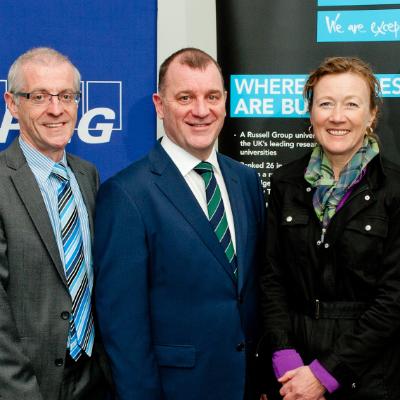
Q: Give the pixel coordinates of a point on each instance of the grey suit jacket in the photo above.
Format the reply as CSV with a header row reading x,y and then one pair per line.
x,y
33,291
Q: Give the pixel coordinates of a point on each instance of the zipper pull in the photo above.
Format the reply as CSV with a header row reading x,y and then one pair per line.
x,y
316,309
321,240
323,235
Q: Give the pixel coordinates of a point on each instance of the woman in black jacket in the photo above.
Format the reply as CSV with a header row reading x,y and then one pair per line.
x,y
331,284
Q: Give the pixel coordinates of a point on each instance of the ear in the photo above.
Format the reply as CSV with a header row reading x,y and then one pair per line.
x,y
11,105
159,105
373,116
225,98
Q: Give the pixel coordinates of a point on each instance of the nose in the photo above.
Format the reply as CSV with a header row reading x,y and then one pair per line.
x,y
200,108
337,114
55,107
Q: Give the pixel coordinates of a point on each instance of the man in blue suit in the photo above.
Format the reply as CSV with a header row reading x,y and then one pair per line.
x,y
176,290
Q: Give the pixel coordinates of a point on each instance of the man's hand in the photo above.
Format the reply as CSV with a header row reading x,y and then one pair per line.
x,y
301,384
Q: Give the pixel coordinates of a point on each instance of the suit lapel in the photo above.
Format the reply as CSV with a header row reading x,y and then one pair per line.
x,y
29,192
239,213
170,181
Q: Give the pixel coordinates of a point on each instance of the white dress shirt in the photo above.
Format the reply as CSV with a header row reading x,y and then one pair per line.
x,y
185,162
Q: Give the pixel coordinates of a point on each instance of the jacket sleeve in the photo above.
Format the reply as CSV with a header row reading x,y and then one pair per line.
x,y
121,261
17,378
275,312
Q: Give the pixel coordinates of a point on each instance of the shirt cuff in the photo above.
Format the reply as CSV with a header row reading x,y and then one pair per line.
x,y
285,360
326,379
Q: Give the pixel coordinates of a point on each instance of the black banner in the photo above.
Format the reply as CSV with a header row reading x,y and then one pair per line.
x,y
267,49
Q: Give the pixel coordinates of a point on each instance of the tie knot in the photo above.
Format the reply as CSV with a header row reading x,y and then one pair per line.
x,y
60,172
203,167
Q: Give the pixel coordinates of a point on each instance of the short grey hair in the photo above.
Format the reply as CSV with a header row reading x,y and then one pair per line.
x,y
38,55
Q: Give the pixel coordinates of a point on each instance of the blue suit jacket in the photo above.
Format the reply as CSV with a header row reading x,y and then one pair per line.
x,y
174,322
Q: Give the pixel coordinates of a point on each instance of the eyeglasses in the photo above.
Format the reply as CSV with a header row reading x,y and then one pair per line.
x,y
40,97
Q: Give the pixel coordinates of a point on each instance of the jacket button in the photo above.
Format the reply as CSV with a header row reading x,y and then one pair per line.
x,y
59,362
240,346
64,315
367,197
368,228
353,385
326,245
289,218
308,189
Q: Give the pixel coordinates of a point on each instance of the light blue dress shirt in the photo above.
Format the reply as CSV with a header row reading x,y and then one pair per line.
x,y
41,167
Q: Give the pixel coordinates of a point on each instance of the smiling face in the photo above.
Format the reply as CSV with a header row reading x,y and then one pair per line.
x,y
340,115
192,107
48,127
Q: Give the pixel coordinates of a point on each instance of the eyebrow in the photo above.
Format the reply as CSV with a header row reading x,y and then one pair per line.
x,y
328,97
50,91
192,91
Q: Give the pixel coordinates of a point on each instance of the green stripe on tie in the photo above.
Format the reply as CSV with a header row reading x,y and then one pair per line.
x,y
216,212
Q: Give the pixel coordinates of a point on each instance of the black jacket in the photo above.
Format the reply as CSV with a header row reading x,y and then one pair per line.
x,y
337,298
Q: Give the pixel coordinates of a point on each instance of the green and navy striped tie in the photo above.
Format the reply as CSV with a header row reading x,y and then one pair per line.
x,y
216,212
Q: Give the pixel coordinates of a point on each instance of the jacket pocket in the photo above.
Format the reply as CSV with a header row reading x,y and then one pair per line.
x,y
292,217
370,227
180,356
294,234
362,244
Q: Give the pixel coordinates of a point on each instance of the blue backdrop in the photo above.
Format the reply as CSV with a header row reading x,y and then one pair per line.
x,y
113,44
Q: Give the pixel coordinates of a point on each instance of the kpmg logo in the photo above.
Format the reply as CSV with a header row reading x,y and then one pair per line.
x,y
99,113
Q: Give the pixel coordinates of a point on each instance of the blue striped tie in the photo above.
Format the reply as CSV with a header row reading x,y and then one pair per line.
x,y
216,212
81,333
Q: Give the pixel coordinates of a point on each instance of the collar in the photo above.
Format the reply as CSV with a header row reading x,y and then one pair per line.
x,y
293,172
40,165
185,161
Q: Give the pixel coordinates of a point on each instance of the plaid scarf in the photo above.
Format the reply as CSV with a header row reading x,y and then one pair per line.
x,y
319,174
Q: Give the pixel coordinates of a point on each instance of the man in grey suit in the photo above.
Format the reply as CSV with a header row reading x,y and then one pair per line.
x,y
49,348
